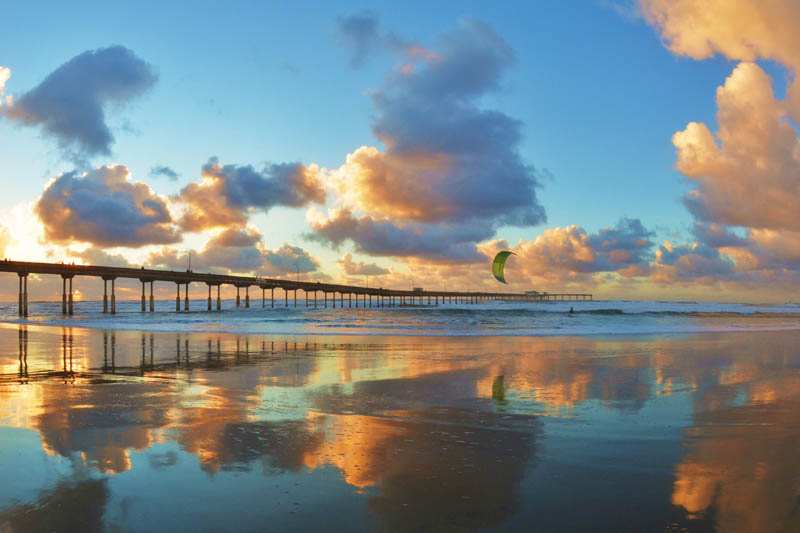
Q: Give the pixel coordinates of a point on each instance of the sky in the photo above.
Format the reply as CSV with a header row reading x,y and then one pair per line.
x,y
641,149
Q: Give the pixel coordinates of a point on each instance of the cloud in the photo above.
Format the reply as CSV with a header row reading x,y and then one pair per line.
x,y
627,9
744,30
289,259
446,160
104,207
164,171
571,253
628,244
451,172
239,250
717,235
227,194
5,75
357,268
232,252
695,262
98,256
70,104
747,173
435,242
359,32
745,191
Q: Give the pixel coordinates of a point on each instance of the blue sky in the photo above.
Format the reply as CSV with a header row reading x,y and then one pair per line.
x,y
598,94
596,87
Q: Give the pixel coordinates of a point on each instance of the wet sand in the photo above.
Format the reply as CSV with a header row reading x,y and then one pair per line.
x,y
211,432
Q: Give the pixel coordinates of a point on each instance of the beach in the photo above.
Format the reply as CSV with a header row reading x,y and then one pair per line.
x,y
209,430
400,267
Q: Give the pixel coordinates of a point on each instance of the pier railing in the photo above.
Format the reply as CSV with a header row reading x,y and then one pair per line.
x,y
347,294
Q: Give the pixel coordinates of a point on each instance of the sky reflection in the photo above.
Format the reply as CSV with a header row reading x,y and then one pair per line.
x,y
98,428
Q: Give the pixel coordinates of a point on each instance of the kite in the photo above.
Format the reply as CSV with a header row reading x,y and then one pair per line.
x,y
499,264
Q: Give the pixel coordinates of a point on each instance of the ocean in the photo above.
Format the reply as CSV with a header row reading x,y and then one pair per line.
x,y
600,317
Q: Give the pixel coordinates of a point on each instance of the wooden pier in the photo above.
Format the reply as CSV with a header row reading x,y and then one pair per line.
x,y
347,295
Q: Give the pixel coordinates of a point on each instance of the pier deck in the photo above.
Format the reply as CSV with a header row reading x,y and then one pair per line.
x,y
382,297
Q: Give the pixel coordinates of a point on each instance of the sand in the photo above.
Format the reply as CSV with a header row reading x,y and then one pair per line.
x,y
210,432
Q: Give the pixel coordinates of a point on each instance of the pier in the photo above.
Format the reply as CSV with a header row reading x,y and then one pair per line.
x,y
315,294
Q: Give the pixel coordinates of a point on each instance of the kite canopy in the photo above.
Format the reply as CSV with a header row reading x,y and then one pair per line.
x,y
499,264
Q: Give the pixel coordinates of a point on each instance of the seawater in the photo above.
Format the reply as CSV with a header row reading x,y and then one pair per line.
x,y
608,317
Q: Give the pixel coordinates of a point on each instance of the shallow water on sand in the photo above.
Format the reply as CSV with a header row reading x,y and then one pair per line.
x,y
188,431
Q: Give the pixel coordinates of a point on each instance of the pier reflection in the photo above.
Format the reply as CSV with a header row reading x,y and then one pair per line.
x,y
419,434
23,354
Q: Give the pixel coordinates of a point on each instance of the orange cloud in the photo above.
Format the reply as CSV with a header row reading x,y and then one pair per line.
x,y
746,173
227,194
744,30
406,186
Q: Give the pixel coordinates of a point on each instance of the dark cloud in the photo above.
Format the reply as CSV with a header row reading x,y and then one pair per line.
x,y
105,208
447,160
435,242
359,32
717,235
165,172
694,261
626,244
357,268
70,104
289,259
237,238
228,193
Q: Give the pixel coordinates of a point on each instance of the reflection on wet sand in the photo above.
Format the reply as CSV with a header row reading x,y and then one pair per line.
x,y
434,433
742,462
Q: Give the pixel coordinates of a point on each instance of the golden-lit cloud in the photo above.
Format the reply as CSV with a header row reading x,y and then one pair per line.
x,y
450,173
572,254
103,206
747,173
227,194
743,30
745,191
5,75
399,186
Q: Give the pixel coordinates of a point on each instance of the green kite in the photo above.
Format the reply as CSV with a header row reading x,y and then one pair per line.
x,y
499,264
